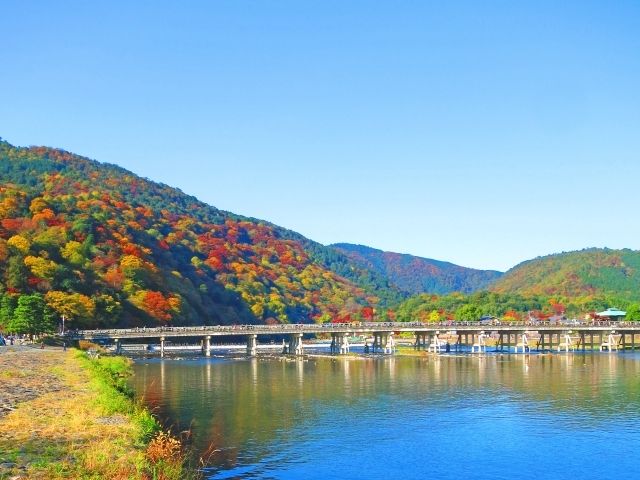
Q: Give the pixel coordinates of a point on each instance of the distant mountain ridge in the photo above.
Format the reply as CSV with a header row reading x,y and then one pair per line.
x,y
588,272
414,275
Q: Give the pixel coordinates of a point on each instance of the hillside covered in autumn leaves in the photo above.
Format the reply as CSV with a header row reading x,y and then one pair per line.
x,y
105,247
589,272
415,275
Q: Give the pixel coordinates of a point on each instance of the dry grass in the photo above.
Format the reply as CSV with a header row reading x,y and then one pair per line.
x,y
87,429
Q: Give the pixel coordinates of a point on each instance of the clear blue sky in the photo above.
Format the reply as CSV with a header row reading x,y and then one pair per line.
x,y
482,133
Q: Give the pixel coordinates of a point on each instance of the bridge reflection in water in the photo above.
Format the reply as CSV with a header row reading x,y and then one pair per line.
x,y
379,337
269,417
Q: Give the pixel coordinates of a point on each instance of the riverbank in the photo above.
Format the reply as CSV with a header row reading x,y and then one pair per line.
x,y
64,415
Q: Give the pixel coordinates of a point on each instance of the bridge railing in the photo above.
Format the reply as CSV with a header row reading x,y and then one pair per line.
x,y
328,327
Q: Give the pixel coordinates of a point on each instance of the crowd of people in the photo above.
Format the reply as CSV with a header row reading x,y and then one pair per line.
x,y
8,339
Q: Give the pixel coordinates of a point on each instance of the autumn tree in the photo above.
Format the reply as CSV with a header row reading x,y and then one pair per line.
x,y
74,306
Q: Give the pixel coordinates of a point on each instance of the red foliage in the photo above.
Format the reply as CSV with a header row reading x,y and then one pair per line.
x,y
367,313
156,305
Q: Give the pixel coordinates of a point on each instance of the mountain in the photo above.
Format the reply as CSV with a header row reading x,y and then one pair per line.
x,y
416,275
105,247
589,272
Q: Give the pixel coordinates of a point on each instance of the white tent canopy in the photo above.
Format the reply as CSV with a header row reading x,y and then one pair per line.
x,y
612,312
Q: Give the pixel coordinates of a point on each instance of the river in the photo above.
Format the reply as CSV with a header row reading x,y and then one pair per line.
x,y
482,417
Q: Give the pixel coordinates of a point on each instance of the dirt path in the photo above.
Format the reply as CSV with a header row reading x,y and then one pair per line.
x,y
25,374
51,424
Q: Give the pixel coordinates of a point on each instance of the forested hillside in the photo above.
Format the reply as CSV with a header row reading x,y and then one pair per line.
x,y
415,275
106,247
590,272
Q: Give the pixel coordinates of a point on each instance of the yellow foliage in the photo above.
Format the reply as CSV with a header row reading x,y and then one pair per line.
x,y
72,251
19,243
37,205
130,264
175,303
41,267
258,310
73,305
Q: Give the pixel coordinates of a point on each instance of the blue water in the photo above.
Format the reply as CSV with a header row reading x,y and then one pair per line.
x,y
491,417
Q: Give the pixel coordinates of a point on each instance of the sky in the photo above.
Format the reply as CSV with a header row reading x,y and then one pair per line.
x,y
480,133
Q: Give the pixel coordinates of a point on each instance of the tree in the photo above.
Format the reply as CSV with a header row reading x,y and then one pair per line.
x,y
72,305
108,309
467,312
7,306
633,312
29,316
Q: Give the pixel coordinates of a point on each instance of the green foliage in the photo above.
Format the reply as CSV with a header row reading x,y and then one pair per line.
x,y
457,306
7,306
633,312
31,316
594,272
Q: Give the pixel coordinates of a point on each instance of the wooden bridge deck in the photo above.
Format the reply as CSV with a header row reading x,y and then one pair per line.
x,y
354,328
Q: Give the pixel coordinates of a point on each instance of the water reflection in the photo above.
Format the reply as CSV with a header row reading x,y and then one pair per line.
x,y
260,417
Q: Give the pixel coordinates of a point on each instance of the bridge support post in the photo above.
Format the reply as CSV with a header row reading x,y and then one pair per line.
x,y
161,346
207,346
344,344
334,342
252,344
118,346
295,344
339,342
381,342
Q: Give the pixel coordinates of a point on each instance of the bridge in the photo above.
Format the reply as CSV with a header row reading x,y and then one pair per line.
x,y
433,337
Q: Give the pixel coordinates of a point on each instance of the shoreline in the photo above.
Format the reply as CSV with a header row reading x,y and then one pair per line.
x,y
64,415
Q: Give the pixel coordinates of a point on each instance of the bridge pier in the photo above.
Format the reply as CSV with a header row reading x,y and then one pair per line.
x,y
161,347
522,344
566,344
435,343
383,341
480,344
206,347
339,343
295,344
118,346
421,340
252,345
